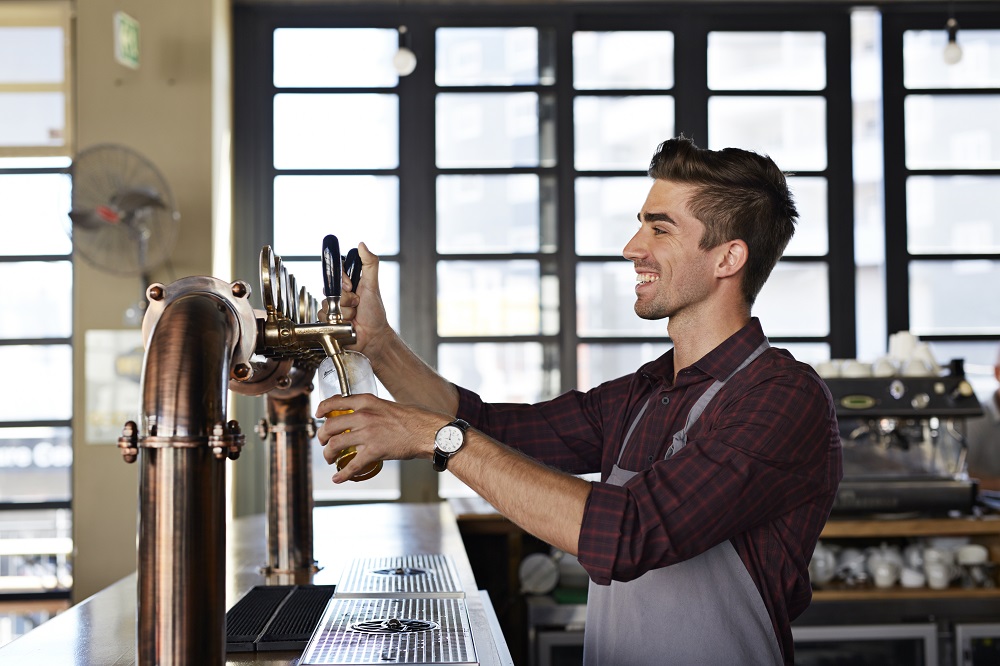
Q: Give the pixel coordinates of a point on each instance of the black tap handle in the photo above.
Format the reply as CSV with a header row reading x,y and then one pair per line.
x,y
332,268
352,264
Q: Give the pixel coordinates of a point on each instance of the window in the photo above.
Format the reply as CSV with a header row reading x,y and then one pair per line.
x,y
501,178
36,445
942,175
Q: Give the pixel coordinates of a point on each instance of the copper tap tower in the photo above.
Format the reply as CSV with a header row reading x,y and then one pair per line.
x,y
202,338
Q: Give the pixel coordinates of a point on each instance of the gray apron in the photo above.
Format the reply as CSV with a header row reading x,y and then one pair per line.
x,y
705,610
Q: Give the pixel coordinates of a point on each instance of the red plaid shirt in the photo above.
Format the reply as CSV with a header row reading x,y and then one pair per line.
x,y
761,466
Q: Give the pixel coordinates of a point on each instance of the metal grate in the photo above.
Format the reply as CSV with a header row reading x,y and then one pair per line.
x,y
428,575
336,641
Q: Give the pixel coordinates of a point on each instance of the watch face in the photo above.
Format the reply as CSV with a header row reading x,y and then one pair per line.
x,y
449,439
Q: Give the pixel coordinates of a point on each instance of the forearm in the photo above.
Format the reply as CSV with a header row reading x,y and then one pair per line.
x,y
409,379
544,502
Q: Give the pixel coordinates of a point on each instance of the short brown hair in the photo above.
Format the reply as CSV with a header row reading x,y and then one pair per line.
x,y
739,195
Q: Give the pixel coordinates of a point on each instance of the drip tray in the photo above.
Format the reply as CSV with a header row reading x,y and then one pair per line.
x,y
276,617
390,631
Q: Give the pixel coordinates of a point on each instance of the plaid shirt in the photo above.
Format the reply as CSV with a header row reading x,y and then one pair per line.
x,y
761,466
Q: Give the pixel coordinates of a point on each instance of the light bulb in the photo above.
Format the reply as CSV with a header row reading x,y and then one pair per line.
x,y
405,61
952,52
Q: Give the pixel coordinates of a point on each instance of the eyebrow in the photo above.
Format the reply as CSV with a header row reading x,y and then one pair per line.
x,y
654,217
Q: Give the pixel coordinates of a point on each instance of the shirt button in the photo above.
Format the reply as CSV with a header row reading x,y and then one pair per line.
x,y
665,400
650,458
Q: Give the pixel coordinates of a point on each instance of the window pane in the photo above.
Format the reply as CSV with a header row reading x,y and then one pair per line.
x,y
924,66
626,59
382,486
35,464
795,301
335,57
36,208
811,234
486,56
487,130
336,131
605,213
598,363
355,208
605,302
489,297
498,372
309,274
954,297
30,283
952,214
792,130
42,545
32,118
766,60
488,214
42,391
807,352
46,63
620,132
952,132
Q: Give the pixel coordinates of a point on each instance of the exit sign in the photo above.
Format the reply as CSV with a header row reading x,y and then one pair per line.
x,y
126,40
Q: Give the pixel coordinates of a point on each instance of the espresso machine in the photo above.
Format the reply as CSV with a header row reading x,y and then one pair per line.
x,y
904,443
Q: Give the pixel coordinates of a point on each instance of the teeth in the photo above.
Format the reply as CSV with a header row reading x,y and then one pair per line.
x,y
646,277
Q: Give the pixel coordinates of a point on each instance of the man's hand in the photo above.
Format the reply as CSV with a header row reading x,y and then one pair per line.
x,y
378,429
364,308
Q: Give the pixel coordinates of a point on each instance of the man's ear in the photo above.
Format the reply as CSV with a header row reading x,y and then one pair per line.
x,y
732,257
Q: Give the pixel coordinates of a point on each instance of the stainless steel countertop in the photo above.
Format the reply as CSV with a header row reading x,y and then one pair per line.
x,y
100,631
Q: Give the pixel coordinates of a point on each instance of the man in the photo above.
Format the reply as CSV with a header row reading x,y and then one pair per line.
x,y
984,440
719,460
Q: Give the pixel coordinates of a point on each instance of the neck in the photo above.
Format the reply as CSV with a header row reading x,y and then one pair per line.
x,y
694,338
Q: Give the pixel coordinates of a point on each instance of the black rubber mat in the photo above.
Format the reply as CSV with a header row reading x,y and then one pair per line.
x,y
276,617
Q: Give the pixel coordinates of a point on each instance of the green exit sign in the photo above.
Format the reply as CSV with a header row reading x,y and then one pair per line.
x,y
126,40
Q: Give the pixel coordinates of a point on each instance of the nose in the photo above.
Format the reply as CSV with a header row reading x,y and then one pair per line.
x,y
634,249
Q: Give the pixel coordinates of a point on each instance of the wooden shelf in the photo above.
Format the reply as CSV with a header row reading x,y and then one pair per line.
x,y
902,593
911,527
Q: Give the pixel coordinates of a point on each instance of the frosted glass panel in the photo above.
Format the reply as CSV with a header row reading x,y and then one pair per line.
x,y
354,208
498,372
953,214
811,233
335,57
791,130
43,391
795,301
336,131
487,130
954,297
605,213
924,66
952,132
598,363
489,298
35,466
28,285
34,213
488,214
766,61
32,118
32,54
623,60
486,56
620,133
605,302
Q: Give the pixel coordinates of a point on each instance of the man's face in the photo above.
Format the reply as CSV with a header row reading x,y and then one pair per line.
x,y
673,274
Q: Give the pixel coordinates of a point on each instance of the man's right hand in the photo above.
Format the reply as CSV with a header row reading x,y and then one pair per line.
x,y
365,308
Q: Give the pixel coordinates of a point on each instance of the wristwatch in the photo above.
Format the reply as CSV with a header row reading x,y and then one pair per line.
x,y
448,440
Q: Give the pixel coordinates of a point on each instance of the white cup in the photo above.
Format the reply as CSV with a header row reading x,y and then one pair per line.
x,y
938,575
911,578
855,368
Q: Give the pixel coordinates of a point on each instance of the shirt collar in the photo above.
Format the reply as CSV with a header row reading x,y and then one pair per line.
x,y
718,363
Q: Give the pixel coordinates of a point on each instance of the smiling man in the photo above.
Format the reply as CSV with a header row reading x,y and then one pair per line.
x,y
719,460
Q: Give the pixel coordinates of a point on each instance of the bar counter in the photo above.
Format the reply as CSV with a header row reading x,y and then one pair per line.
x,y
101,630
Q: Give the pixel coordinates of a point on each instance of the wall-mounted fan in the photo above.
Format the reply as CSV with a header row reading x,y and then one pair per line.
x,y
123,219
